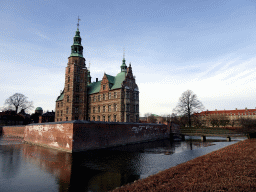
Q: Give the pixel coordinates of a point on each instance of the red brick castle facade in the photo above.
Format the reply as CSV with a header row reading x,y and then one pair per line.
x,y
114,98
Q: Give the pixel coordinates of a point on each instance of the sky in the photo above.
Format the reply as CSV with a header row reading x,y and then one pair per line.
x,y
205,46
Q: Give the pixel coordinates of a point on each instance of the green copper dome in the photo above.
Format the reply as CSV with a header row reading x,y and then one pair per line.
x,y
39,109
77,48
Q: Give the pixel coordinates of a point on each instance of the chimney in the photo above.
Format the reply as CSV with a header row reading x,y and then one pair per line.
x,y
236,108
246,108
96,79
215,109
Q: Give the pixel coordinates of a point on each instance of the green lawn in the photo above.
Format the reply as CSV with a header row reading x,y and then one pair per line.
x,y
206,130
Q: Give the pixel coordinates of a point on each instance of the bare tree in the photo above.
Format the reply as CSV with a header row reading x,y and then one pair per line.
x,y
197,120
188,105
224,120
248,125
214,121
18,101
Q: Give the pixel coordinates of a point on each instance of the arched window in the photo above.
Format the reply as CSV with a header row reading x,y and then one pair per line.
x,y
67,98
68,79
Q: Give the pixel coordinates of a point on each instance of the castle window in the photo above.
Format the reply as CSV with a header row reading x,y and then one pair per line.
x,y
94,98
137,96
127,94
67,110
93,109
57,113
58,105
127,118
61,113
104,87
77,88
98,97
109,108
109,95
76,109
66,118
69,70
137,118
61,104
104,97
77,98
68,79
93,118
104,108
67,98
115,107
103,118
76,118
99,109
114,118
127,107
137,108
109,118
68,87
98,118
115,95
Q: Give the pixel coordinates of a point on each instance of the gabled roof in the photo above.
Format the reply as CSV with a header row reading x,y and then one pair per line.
x,y
94,87
60,98
114,83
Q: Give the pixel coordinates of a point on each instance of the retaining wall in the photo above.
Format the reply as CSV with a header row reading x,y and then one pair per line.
x,y
95,135
13,131
73,136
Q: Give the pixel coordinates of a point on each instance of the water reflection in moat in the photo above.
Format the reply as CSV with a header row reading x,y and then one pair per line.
x,y
32,168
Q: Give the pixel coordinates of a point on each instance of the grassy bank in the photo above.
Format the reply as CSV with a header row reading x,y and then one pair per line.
x,y
229,169
207,130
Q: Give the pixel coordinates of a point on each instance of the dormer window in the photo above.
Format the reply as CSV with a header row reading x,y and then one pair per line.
x,y
104,87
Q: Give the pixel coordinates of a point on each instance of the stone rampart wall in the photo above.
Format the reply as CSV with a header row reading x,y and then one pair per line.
x,y
73,136
53,135
13,131
96,135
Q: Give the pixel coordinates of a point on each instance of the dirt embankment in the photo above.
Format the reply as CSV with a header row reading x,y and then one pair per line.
x,y
232,168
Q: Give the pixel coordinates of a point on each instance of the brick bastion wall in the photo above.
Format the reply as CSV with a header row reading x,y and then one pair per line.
x,y
74,136
13,131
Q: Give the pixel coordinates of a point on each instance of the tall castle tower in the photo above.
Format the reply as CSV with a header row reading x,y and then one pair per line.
x,y
72,103
114,98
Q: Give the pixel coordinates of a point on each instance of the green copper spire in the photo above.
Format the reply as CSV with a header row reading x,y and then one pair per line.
x,y
123,66
77,48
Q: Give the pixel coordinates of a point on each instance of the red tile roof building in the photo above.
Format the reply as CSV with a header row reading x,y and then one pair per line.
x,y
231,115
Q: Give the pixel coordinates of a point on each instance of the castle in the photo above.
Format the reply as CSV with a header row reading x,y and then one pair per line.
x,y
113,99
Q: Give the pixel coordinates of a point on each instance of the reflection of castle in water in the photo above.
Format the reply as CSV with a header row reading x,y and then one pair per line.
x,y
96,170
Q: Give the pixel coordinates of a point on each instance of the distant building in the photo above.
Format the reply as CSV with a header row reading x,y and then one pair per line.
x,y
47,117
231,115
114,98
39,110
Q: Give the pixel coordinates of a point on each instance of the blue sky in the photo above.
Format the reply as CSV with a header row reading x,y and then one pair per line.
x,y
206,46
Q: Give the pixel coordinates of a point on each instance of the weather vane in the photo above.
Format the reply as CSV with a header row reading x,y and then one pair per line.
x,y
78,23
123,53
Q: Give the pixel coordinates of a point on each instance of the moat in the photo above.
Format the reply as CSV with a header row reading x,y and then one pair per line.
x,y
33,168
